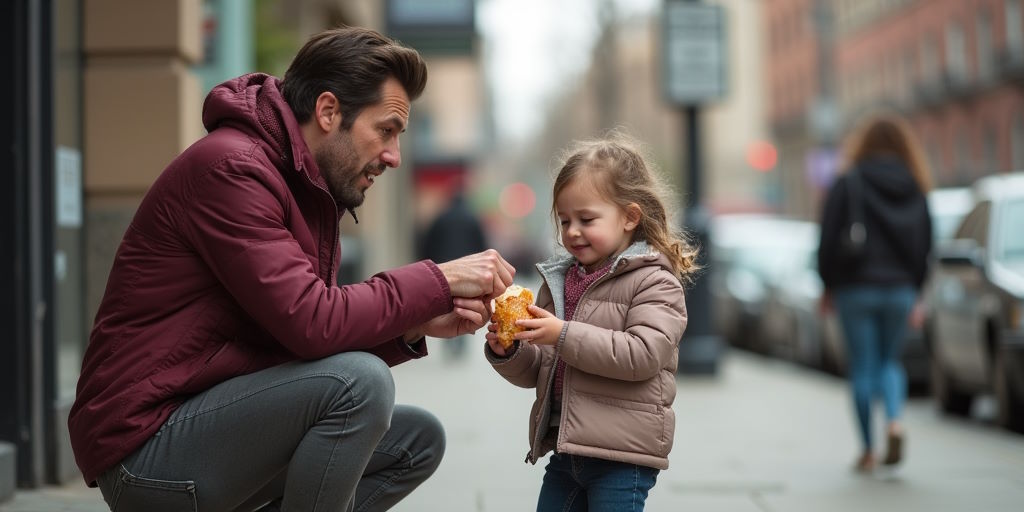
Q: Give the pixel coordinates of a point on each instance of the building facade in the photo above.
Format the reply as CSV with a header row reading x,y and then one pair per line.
x,y
952,67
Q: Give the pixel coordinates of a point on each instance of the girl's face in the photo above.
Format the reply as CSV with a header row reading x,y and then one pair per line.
x,y
593,229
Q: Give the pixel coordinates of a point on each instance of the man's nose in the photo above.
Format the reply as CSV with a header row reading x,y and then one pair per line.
x,y
392,156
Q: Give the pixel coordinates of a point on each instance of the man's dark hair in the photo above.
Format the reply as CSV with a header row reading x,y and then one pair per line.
x,y
351,63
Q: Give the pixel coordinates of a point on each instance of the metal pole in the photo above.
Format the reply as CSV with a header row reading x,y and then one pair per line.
x,y
700,347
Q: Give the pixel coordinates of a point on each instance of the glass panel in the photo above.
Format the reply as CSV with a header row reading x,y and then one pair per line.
x,y
70,329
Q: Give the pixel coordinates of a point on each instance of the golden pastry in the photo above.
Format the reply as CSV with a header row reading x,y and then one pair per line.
x,y
509,307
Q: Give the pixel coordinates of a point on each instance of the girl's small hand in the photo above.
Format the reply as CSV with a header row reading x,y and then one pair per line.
x,y
492,341
543,330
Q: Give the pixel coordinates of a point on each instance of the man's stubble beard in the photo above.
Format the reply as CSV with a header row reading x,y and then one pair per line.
x,y
339,166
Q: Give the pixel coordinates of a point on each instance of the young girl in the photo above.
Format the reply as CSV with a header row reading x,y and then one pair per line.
x,y
602,352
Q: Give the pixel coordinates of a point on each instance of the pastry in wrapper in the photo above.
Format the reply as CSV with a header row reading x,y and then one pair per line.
x,y
509,307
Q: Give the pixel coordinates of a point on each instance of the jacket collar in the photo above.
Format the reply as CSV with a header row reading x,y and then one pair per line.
x,y
553,269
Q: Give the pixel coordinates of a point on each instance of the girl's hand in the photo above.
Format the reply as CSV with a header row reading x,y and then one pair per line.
x,y
543,330
492,341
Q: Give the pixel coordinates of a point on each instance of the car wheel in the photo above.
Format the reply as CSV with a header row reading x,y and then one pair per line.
x,y
1011,408
950,400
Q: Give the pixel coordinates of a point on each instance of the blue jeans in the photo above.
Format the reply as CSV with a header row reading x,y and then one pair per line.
x,y
304,436
576,483
874,323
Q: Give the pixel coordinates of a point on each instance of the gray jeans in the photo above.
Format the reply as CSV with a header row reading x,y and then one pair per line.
x,y
304,436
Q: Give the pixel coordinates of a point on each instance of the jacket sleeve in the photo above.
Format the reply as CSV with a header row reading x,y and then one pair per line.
x,y
832,218
236,221
655,322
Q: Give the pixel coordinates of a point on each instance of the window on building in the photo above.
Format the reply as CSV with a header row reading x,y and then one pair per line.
x,y
935,158
1017,142
909,73
929,58
962,156
1014,34
983,46
956,56
895,76
990,146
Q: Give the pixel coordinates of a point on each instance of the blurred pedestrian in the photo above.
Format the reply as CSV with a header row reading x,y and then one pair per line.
x,y
603,348
876,234
226,370
455,233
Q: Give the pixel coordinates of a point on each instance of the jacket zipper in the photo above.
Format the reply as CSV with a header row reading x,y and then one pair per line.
x,y
545,410
334,239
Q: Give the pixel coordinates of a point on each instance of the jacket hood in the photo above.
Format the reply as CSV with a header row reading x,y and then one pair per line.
x,y
888,176
253,103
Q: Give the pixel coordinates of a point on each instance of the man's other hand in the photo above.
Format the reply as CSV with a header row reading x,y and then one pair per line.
x,y
468,316
483,275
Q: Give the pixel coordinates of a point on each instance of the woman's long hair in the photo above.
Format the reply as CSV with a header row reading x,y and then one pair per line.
x,y
888,135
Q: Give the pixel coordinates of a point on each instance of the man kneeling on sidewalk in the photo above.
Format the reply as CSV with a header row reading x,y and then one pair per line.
x,y
225,370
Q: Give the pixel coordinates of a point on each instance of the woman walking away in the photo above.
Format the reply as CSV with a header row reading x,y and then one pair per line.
x,y
876,234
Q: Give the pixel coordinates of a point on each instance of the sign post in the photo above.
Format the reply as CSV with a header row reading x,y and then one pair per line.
x,y
694,73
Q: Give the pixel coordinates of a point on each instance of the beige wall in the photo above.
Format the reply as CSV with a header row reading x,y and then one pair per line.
x,y
141,108
736,121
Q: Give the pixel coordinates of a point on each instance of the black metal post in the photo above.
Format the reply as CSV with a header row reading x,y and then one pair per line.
x,y
700,348
26,233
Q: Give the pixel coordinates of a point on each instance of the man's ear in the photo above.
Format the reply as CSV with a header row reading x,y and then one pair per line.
x,y
326,111
633,214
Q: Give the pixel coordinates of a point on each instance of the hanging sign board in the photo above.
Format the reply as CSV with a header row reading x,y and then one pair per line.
x,y
694,52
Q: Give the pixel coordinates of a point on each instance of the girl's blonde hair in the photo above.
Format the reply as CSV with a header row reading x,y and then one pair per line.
x,y
885,134
617,169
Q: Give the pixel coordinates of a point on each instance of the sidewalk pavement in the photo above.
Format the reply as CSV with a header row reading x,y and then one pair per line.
x,y
762,436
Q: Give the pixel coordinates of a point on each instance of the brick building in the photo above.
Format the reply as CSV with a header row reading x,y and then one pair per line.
x,y
953,67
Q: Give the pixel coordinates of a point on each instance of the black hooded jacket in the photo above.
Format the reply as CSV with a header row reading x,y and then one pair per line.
x,y
899,228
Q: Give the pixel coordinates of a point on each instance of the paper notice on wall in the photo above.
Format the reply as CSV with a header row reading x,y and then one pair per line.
x,y
68,185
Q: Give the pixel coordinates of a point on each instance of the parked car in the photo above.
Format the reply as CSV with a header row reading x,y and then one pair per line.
x,y
748,254
790,322
975,324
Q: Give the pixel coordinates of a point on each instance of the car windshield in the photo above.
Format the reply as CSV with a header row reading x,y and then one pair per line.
x,y
1012,230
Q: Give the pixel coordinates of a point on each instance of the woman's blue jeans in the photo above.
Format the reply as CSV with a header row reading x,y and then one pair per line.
x,y
874,324
573,483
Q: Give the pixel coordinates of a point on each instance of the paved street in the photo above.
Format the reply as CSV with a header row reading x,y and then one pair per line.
x,y
763,436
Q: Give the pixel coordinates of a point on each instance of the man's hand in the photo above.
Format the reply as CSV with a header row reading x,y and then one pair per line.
x,y
483,275
468,316
542,330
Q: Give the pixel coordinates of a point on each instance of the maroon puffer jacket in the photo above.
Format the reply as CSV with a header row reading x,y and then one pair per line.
x,y
228,268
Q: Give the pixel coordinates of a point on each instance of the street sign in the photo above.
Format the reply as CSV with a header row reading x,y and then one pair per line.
x,y
433,27
694,52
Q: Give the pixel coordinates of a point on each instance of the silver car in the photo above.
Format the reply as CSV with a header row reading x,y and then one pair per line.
x,y
975,323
